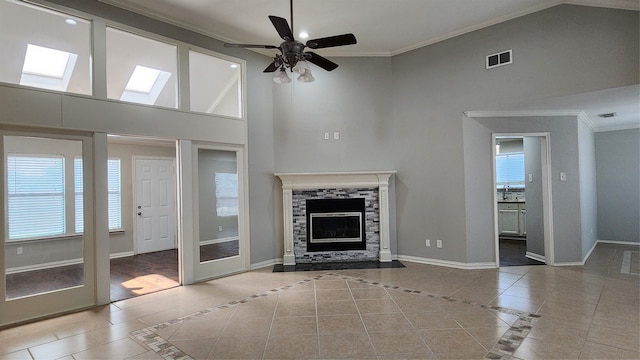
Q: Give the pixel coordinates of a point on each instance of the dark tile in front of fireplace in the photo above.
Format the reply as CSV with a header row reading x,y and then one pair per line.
x,y
346,265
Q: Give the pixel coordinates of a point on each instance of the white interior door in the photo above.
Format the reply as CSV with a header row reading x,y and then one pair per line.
x,y
155,209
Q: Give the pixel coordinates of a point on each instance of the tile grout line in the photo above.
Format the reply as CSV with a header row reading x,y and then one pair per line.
x,y
503,349
510,340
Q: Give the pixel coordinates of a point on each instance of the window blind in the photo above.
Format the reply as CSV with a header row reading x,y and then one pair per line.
x,y
226,194
510,169
35,196
113,196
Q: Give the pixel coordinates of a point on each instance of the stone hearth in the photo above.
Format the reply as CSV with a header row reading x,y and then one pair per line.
x,y
372,186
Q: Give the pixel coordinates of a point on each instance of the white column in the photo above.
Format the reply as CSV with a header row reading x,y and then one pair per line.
x,y
289,257
385,251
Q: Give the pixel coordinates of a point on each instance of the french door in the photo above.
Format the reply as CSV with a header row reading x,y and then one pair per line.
x,y
215,234
47,216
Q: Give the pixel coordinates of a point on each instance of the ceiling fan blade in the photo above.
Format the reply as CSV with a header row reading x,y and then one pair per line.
x,y
249,46
331,41
271,68
282,26
320,61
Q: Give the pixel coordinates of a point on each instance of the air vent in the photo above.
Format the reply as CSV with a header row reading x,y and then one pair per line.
x,y
607,115
499,59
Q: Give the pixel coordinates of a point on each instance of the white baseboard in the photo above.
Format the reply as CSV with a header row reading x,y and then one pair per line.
x,y
576,263
121,254
536,257
633,243
49,265
264,264
217,241
447,263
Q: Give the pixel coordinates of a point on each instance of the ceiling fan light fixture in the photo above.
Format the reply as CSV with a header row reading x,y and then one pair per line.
x,y
281,77
301,67
306,76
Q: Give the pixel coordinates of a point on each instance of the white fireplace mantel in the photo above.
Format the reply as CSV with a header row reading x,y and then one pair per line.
x,y
325,180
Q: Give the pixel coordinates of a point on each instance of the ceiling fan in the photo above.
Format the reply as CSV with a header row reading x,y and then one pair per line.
x,y
292,54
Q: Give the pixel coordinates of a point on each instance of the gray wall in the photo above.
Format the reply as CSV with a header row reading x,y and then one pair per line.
x,y
618,184
560,51
533,190
588,195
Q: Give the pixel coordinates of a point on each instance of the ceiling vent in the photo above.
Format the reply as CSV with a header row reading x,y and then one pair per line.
x,y
499,59
607,115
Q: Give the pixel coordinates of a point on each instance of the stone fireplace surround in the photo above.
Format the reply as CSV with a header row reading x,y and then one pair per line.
x,y
371,185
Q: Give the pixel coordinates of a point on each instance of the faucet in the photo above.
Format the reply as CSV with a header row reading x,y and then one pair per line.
x,y
504,192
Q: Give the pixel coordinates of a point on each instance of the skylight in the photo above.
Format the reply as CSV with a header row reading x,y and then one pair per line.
x,y
142,79
144,85
47,68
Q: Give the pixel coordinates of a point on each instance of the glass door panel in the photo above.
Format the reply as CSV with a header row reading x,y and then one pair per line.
x,y
217,204
44,247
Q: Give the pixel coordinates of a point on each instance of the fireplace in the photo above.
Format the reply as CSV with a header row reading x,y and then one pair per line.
x,y
336,224
359,233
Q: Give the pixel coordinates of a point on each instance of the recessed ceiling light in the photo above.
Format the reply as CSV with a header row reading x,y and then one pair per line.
x,y
71,22
607,115
303,35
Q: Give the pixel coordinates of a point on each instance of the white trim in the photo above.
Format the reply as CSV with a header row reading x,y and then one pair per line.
x,y
217,241
586,257
576,263
264,264
618,127
43,266
447,263
121,255
536,257
632,243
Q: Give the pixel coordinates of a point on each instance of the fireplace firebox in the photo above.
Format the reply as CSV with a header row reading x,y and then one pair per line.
x,y
335,224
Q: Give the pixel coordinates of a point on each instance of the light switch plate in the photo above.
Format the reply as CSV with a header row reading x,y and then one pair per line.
x,y
563,176
530,177
326,136
336,135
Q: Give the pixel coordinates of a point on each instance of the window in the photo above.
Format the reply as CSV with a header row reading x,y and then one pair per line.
x,y
44,48
510,170
47,68
35,196
226,194
114,195
215,85
141,70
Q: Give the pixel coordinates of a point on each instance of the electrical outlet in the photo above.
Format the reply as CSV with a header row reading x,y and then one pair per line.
x,y
19,250
220,228
427,243
439,244
336,136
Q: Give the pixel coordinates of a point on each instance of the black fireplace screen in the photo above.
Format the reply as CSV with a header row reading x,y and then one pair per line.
x,y
336,224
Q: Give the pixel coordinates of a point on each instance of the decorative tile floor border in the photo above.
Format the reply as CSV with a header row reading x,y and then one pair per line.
x,y
503,349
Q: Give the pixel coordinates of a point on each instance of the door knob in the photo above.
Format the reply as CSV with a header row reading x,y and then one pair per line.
x,y
139,212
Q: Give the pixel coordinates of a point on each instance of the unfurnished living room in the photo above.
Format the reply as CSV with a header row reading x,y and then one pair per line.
x,y
300,179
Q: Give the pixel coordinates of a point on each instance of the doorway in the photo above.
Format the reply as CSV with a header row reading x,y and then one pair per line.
x,y
522,204
144,251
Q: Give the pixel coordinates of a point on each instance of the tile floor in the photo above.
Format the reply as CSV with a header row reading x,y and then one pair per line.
x,y
419,312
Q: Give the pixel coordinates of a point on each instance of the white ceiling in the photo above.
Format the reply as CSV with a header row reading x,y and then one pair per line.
x,y
386,28
382,27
